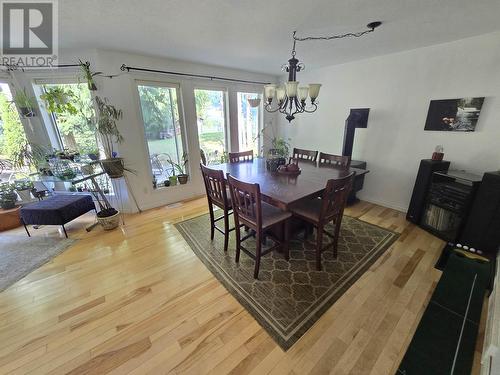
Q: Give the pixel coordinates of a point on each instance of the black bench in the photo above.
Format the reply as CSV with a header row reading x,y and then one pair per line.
x,y
56,210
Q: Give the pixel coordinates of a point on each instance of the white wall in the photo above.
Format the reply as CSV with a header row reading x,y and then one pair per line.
x,y
397,88
122,92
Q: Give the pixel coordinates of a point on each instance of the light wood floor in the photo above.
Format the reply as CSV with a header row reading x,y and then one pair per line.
x,y
137,300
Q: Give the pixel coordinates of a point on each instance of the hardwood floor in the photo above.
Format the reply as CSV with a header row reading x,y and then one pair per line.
x,y
137,301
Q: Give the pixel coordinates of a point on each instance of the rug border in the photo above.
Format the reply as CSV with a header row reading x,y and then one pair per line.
x,y
69,241
285,344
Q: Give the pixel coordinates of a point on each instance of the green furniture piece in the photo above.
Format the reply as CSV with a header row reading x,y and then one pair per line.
x,y
445,339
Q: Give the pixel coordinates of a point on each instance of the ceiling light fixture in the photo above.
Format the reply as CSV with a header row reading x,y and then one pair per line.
x,y
291,98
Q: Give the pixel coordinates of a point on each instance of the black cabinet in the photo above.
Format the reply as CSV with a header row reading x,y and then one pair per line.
x,y
422,182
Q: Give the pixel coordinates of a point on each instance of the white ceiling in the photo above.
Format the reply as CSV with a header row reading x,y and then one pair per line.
x,y
255,35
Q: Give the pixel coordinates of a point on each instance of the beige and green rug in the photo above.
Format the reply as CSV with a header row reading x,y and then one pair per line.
x,y
289,297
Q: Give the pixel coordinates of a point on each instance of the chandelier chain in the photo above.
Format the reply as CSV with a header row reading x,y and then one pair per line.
x,y
340,36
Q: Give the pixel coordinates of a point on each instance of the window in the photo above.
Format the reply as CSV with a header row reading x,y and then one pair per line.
x,y
211,120
74,126
12,136
249,122
162,127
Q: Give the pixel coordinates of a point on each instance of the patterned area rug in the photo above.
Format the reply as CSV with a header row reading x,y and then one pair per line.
x,y
289,296
20,255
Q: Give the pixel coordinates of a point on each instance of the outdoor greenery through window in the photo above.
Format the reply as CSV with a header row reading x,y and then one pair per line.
x,y
162,127
12,136
249,122
74,120
211,121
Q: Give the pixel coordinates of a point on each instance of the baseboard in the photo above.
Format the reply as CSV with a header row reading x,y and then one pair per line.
x,y
385,204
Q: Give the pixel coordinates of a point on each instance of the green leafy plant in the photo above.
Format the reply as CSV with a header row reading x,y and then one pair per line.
x,y
58,101
280,147
8,196
181,166
25,103
88,75
23,185
107,118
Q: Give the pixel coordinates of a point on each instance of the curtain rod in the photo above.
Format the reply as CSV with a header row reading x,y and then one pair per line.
x,y
129,68
23,68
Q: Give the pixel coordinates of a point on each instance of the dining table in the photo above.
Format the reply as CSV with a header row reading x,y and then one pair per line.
x,y
283,190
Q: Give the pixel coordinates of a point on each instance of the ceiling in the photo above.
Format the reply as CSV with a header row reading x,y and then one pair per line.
x,y
256,35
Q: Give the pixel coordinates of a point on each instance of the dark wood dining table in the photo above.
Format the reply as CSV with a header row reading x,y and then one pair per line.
x,y
282,190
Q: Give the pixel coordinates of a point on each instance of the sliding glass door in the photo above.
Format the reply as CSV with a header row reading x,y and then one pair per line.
x,y
162,126
249,122
212,123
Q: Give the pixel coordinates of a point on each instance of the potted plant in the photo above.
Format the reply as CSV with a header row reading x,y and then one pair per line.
x,y
8,196
182,176
88,75
23,189
25,104
107,117
58,100
108,216
277,154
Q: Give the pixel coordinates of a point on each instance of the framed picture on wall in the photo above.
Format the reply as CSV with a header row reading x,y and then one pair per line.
x,y
459,115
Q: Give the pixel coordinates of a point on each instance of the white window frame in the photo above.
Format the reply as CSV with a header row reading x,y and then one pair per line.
x,y
227,121
180,109
261,115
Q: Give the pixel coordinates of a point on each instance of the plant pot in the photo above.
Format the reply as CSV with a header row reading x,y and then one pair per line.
x,y
183,178
173,180
109,222
27,112
273,164
113,167
87,169
437,156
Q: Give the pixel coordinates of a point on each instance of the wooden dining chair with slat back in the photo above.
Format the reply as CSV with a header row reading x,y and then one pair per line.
x,y
238,157
307,155
320,212
333,160
250,211
218,195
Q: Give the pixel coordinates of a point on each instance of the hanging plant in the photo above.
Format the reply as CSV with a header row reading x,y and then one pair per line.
x,y
58,101
88,75
25,104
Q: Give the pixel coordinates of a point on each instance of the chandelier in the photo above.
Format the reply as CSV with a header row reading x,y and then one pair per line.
x,y
291,98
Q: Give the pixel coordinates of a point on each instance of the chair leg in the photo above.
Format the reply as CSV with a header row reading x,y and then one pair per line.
x,y
226,230
26,229
319,246
258,246
238,238
64,229
212,221
336,238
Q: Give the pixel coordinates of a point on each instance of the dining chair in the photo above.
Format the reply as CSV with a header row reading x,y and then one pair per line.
x,y
308,155
334,160
250,211
319,212
217,194
237,157
203,157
